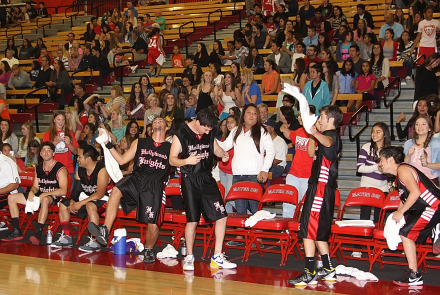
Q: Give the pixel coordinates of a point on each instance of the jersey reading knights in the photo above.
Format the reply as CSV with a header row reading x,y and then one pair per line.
x,y
202,144
152,160
48,180
89,184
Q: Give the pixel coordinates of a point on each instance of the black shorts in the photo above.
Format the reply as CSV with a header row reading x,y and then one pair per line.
x,y
201,196
317,213
419,224
82,212
55,200
148,196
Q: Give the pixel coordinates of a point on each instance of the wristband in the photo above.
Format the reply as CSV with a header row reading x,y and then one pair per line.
x,y
109,145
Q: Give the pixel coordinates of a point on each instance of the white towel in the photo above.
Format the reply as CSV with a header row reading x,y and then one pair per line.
x,y
308,120
259,215
136,109
33,206
111,165
168,252
358,223
354,272
391,232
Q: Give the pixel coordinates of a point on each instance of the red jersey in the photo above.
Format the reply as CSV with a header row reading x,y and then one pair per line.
x,y
302,163
177,61
268,7
62,151
154,43
270,27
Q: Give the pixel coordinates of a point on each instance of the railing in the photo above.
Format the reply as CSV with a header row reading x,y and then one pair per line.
x,y
359,133
98,7
239,14
115,66
188,34
390,105
417,59
83,70
73,15
43,26
14,26
35,107
213,23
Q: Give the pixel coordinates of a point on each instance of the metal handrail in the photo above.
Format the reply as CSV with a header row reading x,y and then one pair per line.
x,y
188,34
417,59
391,103
97,8
82,70
35,107
359,133
44,25
67,6
115,66
14,26
73,15
213,23
239,13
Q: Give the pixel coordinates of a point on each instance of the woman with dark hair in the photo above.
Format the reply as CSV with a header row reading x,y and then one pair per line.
x,y
175,126
412,11
361,31
37,49
299,69
26,50
11,45
216,74
329,76
271,79
132,129
403,53
306,77
196,75
301,26
307,11
236,71
414,29
59,79
422,109
82,113
5,72
182,96
201,57
287,118
336,17
236,111
279,33
342,50
366,46
326,55
169,84
7,135
170,110
426,80
127,31
229,95
217,51
251,142
347,77
380,66
326,27
390,46
90,34
135,105
147,88
324,43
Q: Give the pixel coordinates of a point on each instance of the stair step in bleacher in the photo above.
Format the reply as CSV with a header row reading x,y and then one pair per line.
x,y
22,118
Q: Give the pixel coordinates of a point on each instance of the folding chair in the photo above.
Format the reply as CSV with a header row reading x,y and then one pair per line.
x,y
362,235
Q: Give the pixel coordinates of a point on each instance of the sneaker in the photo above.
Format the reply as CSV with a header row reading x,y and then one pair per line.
x,y
3,226
149,75
188,263
36,237
326,274
304,278
91,246
14,235
100,233
235,244
98,88
149,256
410,279
403,83
220,261
133,69
63,241
436,239
356,254
408,78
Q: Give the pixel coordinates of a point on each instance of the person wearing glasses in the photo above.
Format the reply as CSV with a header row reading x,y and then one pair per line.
x,y
44,74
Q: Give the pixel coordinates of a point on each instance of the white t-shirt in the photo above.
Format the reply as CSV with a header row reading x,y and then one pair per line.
x,y
277,58
8,172
218,80
428,30
280,150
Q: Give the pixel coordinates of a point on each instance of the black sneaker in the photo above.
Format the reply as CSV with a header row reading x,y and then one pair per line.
x,y
149,256
304,278
36,237
14,235
3,226
436,239
410,279
326,274
100,233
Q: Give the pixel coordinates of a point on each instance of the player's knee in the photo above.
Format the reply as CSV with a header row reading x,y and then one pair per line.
x,y
115,194
46,201
62,207
90,206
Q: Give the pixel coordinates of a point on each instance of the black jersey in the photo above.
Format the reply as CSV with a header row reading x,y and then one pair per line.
x,y
89,183
203,144
325,163
152,160
429,192
48,180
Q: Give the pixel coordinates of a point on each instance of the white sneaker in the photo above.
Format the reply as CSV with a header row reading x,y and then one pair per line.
x,y
188,263
220,261
408,78
3,226
402,83
356,254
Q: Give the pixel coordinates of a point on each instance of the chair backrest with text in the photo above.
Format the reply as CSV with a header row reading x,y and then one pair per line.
x,y
245,190
280,193
364,196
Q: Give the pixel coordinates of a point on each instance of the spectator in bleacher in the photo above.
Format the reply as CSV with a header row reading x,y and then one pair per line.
x,y
361,31
216,74
271,79
366,46
73,61
31,157
421,109
354,57
169,84
308,11
316,91
420,4
31,10
286,117
189,62
365,84
289,44
70,38
171,111
10,59
426,79
347,76
37,49
201,57
80,94
403,53
42,11
44,74
5,72
196,75
337,16
159,19
147,87
100,63
131,17
312,52
191,106
60,56
87,59
7,135
326,27
132,130
426,35
327,56
279,161
153,109
19,79
414,28
131,7
26,50
315,22
217,52
78,106
326,8
389,45
35,70
89,134
117,102
380,66
90,34
299,53
260,39
255,61
43,53
73,122
148,23
324,43
60,79
155,50
141,29
96,27
11,45
362,14
27,129
135,105
343,48
390,24
306,77
251,92
328,75
207,91
23,17
301,26
312,38
259,21
127,32
117,126
229,95
264,112
292,6
282,59
298,70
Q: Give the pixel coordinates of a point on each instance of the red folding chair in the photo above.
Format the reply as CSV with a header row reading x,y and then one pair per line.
x,y
362,196
273,229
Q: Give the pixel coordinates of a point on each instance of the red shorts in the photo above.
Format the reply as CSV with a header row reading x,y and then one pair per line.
x,y
152,56
427,51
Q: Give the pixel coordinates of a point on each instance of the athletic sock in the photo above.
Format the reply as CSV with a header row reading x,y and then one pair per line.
x,y
39,226
16,223
326,262
310,264
65,226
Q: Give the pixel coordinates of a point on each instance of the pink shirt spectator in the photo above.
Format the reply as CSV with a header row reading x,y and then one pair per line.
x,y
4,78
365,82
361,37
